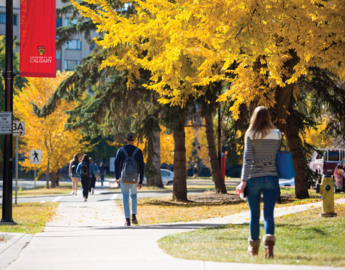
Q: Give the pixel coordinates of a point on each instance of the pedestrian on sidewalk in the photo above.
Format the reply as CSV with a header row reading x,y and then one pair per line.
x,y
93,176
128,163
195,171
102,172
85,170
73,173
259,175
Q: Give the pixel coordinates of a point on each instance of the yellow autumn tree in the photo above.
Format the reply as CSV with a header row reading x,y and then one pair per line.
x,y
48,134
197,42
202,147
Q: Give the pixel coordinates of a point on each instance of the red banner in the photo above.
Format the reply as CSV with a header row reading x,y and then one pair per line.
x,y
37,38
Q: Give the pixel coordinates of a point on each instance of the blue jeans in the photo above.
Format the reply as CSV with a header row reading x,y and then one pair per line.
x,y
269,186
102,178
127,189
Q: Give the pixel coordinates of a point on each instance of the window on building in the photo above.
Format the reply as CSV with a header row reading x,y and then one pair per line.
x,y
74,45
3,18
58,60
70,64
68,22
58,22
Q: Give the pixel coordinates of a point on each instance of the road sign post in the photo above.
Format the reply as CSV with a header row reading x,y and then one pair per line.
x,y
16,170
35,158
8,80
18,129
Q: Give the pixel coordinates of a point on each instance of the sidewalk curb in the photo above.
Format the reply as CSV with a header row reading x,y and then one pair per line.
x,y
11,250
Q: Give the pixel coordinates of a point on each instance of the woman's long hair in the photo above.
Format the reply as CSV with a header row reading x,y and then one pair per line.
x,y
101,165
86,159
260,123
75,159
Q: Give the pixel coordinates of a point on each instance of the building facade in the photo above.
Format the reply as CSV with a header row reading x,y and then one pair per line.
x,y
66,58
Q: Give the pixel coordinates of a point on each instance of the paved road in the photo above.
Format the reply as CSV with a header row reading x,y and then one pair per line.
x,y
101,195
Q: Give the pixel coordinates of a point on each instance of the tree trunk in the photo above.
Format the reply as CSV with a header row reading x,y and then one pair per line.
x,y
156,159
48,174
283,110
299,161
215,166
53,179
180,176
57,179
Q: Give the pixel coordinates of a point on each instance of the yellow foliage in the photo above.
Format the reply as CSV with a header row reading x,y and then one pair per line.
x,y
315,138
48,134
167,147
196,42
202,148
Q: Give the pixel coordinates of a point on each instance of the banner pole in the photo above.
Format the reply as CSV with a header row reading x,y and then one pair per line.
x,y
35,177
8,152
17,139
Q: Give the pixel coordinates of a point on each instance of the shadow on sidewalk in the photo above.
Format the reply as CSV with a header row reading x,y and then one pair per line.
x,y
188,226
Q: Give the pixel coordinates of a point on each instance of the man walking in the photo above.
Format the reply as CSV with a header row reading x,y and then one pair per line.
x,y
93,177
128,163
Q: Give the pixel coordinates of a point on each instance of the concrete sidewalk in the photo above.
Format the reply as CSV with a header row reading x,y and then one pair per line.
x,y
92,236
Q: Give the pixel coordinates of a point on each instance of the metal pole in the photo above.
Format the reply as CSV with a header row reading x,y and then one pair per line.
x,y
8,161
17,139
35,177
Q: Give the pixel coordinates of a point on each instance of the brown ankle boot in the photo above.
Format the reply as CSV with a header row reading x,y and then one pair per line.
x,y
269,241
253,249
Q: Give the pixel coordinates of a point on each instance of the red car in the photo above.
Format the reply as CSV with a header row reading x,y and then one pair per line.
x,y
339,176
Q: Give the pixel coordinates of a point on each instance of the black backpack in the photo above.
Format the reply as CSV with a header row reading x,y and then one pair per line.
x,y
129,173
84,170
74,168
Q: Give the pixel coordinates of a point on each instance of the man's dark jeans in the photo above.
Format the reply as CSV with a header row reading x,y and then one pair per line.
x,y
85,182
93,183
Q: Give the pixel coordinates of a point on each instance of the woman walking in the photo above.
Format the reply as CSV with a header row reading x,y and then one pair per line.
x,y
73,173
259,175
102,172
85,170
195,171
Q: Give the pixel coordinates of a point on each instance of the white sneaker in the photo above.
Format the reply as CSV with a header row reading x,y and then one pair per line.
x,y
85,200
92,191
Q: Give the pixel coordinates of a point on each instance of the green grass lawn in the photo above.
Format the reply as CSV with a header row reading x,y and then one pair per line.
x,y
303,238
31,217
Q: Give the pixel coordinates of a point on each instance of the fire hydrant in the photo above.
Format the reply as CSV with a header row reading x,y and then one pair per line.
x,y
326,189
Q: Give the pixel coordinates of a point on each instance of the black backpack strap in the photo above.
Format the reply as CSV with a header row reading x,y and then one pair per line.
x,y
125,152
134,152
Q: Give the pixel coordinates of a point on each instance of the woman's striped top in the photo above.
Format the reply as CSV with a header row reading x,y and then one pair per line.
x,y
259,158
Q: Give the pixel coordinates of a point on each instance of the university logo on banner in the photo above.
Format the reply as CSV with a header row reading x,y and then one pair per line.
x,y
37,38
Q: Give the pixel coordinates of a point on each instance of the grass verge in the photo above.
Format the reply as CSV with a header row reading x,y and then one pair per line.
x,y
304,238
63,188
31,217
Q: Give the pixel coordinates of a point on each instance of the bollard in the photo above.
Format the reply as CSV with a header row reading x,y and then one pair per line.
x,y
326,189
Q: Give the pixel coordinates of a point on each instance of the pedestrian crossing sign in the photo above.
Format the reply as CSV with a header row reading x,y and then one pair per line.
x,y
36,156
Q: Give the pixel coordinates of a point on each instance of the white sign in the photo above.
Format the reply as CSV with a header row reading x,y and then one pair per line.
x,y
5,122
18,128
36,156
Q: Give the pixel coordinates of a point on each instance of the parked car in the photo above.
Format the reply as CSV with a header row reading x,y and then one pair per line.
x,y
287,182
167,177
339,176
324,161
